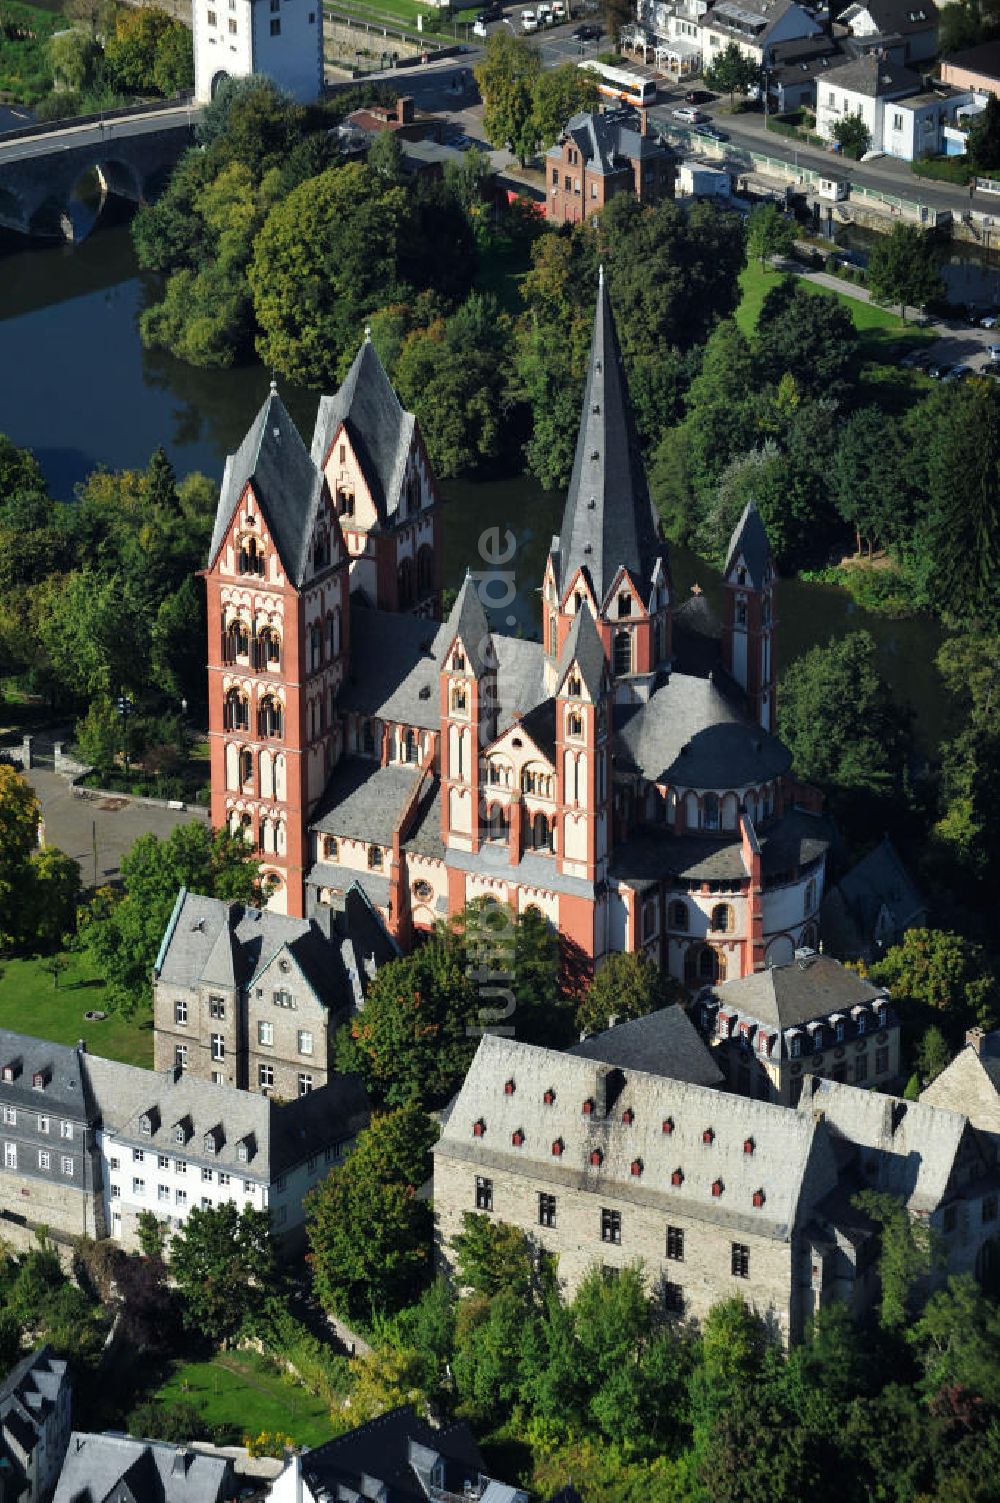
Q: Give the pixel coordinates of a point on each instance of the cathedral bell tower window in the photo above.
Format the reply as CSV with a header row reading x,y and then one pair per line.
x,y
251,557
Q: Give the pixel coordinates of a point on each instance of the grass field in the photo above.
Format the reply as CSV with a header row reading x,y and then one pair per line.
x,y
405,11
29,1003
240,1389
756,284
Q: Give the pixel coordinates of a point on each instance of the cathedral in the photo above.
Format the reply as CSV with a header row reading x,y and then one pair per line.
x,y
622,774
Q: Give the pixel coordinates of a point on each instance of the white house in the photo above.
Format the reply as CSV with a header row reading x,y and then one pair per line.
x,y
755,26
280,38
911,25
903,119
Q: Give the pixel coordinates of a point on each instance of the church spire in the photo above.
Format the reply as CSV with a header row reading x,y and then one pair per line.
x,y
609,519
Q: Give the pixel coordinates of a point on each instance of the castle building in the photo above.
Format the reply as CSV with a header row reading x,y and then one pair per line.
x,y
621,774
280,38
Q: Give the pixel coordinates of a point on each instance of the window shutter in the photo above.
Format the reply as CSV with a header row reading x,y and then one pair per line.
x,y
588,1107
628,1116
509,1088
517,1138
596,1157
748,1145
549,1097
758,1198
708,1136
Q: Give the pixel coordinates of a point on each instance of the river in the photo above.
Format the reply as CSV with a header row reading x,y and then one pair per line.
x,y
79,389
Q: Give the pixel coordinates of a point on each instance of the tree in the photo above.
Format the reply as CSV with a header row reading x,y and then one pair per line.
x,y
959,528
732,72
173,64
945,974
490,1256
52,891
905,268
355,1273
152,1233
956,1340
506,78
19,815
122,934
73,56
838,720
906,1254
769,233
984,136
385,156
559,93
99,733
626,986
810,337
852,135
934,1054
138,42
222,1261
866,478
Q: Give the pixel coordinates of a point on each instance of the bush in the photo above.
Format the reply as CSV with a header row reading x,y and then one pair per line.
x,y
178,1422
944,169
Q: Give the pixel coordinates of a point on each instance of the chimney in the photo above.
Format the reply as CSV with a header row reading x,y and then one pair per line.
x,y
404,109
976,1038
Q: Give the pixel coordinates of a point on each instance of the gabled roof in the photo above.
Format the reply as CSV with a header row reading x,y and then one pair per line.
x,y
583,646
378,426
749,542
609,141
467,622
287,485
875,77
665,1042
398,1450
879,883
609,519
894,17
693,734
100,1467
811,986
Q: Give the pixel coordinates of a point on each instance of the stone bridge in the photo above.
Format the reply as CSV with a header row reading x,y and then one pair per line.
x,y
132,152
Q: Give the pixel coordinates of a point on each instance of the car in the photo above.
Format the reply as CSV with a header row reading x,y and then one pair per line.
x,y
586,33
698,96
544,14
993,350
938,369
529,21
559,12
957,373
989,321
479,28
710,132
689,115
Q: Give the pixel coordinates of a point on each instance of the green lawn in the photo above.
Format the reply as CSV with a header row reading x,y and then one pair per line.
x,y
756,284
406,11
242,1390
29,1003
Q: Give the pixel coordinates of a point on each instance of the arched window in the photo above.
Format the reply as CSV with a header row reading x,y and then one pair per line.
x,y
409,746
246,828
496,823
236,711
315,647
710,811
321,549
269,717
623,653
541,833
425,570
405,584
722,918
678,915
741,610
236,642
246,766
345,502
459,698
574,724
251,557
268,648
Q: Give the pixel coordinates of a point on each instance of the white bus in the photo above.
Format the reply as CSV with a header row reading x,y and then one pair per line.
x,y
631,82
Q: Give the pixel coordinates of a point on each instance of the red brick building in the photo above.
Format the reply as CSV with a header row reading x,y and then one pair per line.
x,y
600,154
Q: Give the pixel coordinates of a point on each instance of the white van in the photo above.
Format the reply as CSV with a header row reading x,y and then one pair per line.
x,y
544,14
558,11
529,21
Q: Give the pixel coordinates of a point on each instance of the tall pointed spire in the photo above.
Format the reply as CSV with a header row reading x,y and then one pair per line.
x,y
609,519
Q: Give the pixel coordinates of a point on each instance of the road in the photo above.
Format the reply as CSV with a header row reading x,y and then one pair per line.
x,y
22,148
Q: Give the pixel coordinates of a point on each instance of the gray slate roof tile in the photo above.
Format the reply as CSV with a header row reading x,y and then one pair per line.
x,y
379,427
665,1042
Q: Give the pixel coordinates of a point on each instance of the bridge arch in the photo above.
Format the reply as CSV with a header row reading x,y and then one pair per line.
x,y
218,79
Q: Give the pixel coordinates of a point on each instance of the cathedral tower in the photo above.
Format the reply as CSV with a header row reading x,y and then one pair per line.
x,y
748,615
468,716
278,636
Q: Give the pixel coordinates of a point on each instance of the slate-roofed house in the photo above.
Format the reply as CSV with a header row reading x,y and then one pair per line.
x,y
51,1168
618,780
250,998
664,1042
755,26
811,1016
902,117
101,1468
914,22
170,1142
397,1458
971,1084
35,1400
872,905
798,68
599,154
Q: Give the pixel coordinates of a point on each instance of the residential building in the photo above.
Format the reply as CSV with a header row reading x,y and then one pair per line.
x,y
975,68
248,998
756,26
169,1143
398,1458
99,1468
914,23
971,1084
673,29
798,67
402,119
622,775
599,154
51,1164
903,119
35,1399
716,1194
872,905
811,1016
280,38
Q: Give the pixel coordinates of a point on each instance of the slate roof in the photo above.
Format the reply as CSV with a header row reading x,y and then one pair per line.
x,y
608,521
971,1084
204,933
692,734
277,1135
665,1042
467,622
749,541
787,1162
101,1467
520,680
875,77
380,429
584,647
28,1395
696,636
288,486
811,986
397,1450
540,725
982,59
852,907
65,1088
424,835
364,801
908,1149
394,668
609,141
747,20
899,17
792,842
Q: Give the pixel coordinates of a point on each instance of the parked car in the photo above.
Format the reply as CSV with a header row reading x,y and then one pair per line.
x,y
993,350
698,96
479,28
587,32
989,321
544,14
957,373
689,115
711,132
938,370
529,21
559,12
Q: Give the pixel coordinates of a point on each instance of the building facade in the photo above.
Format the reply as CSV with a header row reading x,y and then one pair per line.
x,y
252,999
35,1402
902,117
622,774
599,155
754,26
282,39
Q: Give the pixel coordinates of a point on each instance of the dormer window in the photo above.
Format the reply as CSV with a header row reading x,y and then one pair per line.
x,y
862,1022
677,1178
883,1015
178,1134
795,1047
478,1128
840,1030
573,686
38,1080
668,1126
458,661
145,1127
549,1097
517,1138
509,1088
557,1148
635,1168
8,1072
624,603
243,1153
596,1157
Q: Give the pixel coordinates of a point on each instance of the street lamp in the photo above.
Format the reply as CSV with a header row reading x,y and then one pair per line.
x,y
124,703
